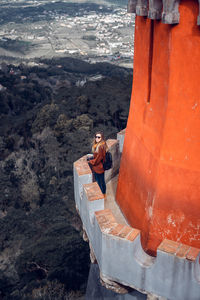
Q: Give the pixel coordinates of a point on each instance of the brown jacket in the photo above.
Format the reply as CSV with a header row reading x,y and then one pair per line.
x,y
99,157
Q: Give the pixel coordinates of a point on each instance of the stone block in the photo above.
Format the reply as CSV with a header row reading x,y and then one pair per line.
x,y
125,232
116,230
169,246
106,220
93,191
170,14
182,251
133,234
193,254
82,166
142,8
155,9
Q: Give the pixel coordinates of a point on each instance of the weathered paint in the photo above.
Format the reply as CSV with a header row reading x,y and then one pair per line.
x,y
159,180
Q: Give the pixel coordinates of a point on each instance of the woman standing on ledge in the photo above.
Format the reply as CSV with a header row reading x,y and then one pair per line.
x,y
99,148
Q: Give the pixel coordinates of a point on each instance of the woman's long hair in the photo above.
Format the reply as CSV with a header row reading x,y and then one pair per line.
x,y
96,145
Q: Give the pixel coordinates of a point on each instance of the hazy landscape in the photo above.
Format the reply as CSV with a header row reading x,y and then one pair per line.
x,y
65,72
88,30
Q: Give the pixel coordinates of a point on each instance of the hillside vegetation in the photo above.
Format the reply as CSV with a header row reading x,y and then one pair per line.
x,y
49,113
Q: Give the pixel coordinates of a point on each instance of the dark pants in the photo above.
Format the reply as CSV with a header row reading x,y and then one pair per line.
x,y
101,181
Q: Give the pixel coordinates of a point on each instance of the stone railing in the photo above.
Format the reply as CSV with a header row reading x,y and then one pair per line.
x,y
173,274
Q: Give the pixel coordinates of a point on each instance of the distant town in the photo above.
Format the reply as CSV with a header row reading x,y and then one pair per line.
x,y
35,29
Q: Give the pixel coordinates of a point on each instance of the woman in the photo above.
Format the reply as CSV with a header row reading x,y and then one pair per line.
x,y
99,148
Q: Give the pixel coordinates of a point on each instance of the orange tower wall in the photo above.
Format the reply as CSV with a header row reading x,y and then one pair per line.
x,y
159,180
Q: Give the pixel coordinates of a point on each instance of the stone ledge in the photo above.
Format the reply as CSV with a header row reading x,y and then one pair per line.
x,y
193,254
182,251
179,250
134,233
170,18
93,191
108,225
106,220
169,246
120,256
82,166
154,14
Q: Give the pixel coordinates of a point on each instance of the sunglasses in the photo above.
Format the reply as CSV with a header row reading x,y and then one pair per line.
x,y
98,137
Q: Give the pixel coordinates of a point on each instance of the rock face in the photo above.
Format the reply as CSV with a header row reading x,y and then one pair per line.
x,y
46,123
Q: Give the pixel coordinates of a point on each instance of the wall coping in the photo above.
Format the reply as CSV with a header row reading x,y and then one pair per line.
x,y
119,253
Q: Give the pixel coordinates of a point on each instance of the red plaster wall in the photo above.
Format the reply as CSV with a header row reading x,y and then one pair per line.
x,y
159,181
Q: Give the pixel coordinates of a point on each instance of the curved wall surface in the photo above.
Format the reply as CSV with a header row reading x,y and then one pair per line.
x,y
159,180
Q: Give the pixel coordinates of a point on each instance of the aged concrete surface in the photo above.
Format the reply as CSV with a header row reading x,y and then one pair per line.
x,y
170,13
110,202
113,285
82,174
122,259
174,274
155,9
95,291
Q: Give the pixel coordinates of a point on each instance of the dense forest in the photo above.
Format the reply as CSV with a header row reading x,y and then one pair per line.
x,y
49,114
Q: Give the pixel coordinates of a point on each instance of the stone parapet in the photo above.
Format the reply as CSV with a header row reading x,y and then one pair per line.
x,y
166,10
83,173
174,274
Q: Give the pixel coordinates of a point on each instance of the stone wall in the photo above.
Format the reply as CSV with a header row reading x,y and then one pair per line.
x,y
173,274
